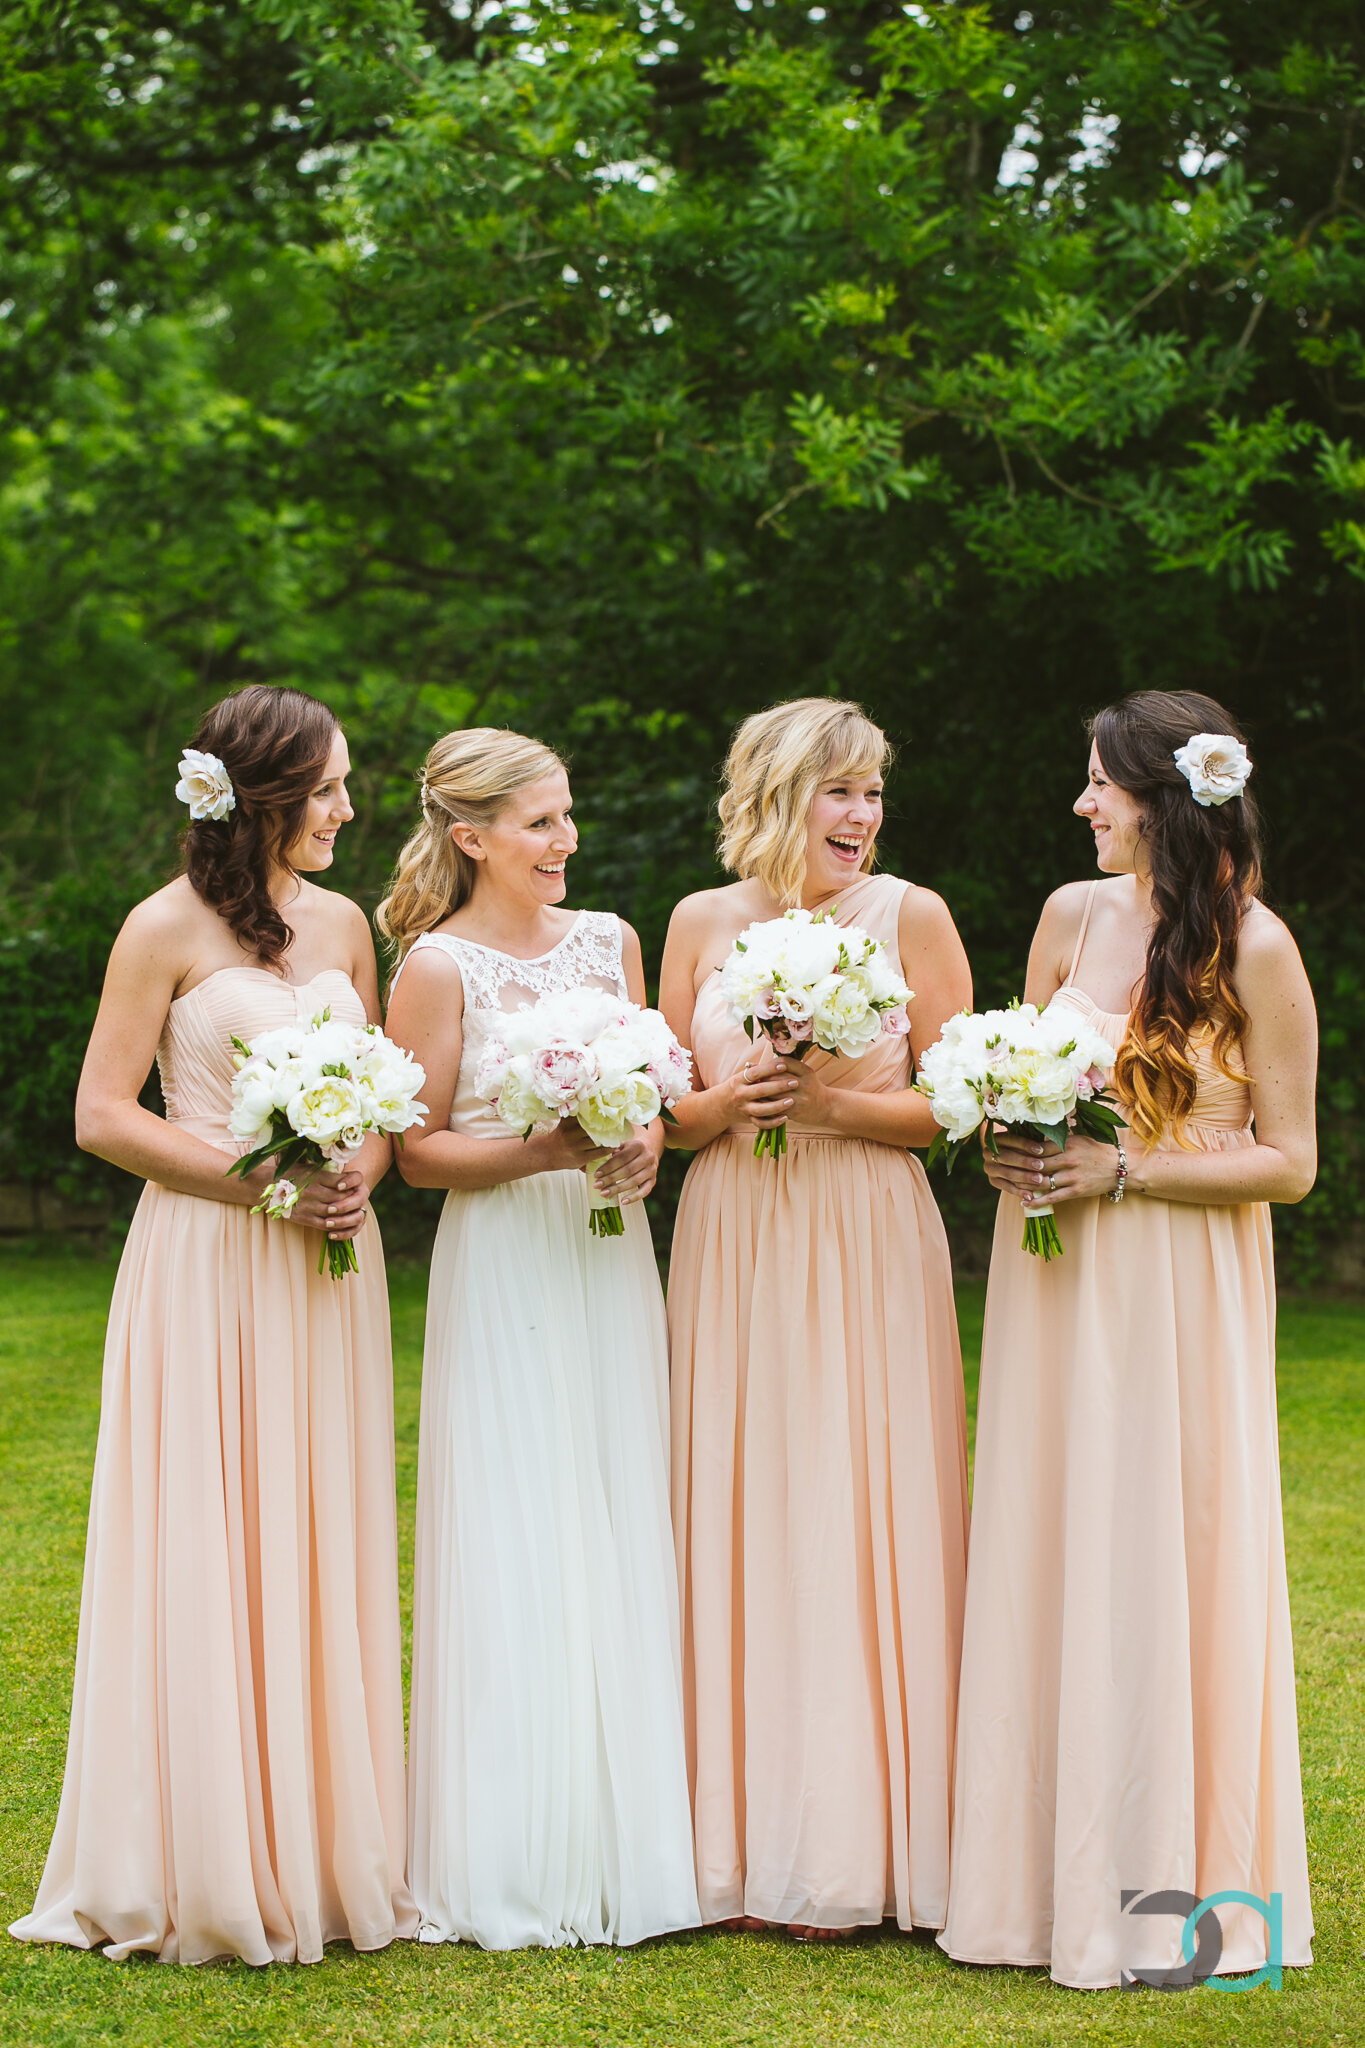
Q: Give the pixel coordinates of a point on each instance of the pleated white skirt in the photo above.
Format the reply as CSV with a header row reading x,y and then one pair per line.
x,y
547,1783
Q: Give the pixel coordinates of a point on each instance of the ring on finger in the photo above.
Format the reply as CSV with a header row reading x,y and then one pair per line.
x,y
746,1075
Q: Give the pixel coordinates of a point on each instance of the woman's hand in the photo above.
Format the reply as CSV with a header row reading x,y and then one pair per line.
x,y
335,1202
812,1100
629,1172
759,1093
566,1148
1045,1173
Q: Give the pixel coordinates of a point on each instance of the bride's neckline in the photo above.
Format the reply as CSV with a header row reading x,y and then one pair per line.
x,y
520,959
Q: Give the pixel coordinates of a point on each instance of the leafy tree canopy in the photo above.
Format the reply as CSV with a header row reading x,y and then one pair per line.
x,y
615,369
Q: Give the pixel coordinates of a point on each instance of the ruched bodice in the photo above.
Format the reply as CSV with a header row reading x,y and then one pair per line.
x,y
1221,1117
720,1046
194,1058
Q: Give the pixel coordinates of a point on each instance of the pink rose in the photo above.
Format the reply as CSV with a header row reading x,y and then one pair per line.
x,y
559,1071
1090,1083
787,1036
895,1023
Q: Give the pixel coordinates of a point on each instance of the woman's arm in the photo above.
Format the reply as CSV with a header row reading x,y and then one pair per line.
x,y
426,1016
1280,1052
705,1113
150,957
934,965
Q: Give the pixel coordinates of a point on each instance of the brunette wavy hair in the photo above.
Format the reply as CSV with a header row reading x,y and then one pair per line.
x,y
274,743
1206,872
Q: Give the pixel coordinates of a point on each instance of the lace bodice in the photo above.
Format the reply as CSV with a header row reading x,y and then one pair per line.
x,y
588,956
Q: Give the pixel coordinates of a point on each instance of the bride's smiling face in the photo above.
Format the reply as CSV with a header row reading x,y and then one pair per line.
x,y
329,808
525,850
845,818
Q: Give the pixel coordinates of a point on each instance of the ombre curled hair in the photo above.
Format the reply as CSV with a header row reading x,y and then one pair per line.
x,y
1205,867
274,743
467,779
776,763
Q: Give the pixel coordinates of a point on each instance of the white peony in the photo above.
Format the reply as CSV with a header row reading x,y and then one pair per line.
x,y
1216,766
205,786
328,1112
253,1100
614,1108
846,1022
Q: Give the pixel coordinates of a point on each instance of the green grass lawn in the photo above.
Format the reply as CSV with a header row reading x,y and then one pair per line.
x,y
699,1988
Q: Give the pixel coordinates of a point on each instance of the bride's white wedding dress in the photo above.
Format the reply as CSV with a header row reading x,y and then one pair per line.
x,y
547,1780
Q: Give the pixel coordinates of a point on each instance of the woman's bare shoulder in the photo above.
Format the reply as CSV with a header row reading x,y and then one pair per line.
x,y
699,917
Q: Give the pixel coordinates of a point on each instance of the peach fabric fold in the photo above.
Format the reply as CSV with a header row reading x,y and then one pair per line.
x,y
234,1773
1127,1717
819,1491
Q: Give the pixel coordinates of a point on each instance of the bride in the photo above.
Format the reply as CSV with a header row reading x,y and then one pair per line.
x,y
547,1786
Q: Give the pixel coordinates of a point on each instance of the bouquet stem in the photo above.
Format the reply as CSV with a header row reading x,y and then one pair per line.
x,y
604,1217
771,1144
1041,1236
338,1256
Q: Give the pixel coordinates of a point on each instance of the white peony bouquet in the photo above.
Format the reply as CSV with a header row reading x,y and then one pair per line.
x,y
308,1095
584,1054
804,980
1043,1074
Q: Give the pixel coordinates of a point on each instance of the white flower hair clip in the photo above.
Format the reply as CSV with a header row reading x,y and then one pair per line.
x,y
1216,766
205,786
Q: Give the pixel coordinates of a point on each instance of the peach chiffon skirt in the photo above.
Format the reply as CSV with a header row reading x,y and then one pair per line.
x,y
819,1476
234,1774
1127,1719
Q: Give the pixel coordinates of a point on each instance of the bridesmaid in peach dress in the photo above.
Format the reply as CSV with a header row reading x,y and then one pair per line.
x,y
819,1444
234,1773
1127,1722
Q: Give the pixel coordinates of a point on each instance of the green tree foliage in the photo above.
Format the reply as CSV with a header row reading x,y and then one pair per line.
x,y
614,370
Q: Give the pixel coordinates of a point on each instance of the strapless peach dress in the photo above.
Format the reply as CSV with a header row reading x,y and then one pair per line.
x,y
820,1504
234,1773
1127,1719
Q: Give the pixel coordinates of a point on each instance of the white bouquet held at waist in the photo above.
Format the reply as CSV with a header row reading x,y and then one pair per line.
x,y
1043,1075
806,981
308,1096
584,1054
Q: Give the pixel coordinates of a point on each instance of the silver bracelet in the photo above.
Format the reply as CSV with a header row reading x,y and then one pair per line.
x,y
1120,1174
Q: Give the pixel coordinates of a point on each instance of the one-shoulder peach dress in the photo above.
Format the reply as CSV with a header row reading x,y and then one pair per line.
x,y
234,1772
1127,1721
820,1504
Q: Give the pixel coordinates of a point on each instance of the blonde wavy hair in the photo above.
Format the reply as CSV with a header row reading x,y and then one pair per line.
x,y
467,779
776,763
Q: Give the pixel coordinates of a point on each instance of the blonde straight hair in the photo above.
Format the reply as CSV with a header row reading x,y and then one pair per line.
x,y
467,779
776,763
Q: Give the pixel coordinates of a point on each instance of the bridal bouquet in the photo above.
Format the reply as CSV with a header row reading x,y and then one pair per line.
x,y
1043,1075
804,981
308,1096
585,1054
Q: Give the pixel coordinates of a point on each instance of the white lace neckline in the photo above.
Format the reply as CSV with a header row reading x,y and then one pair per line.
x,y
590,951
515,959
